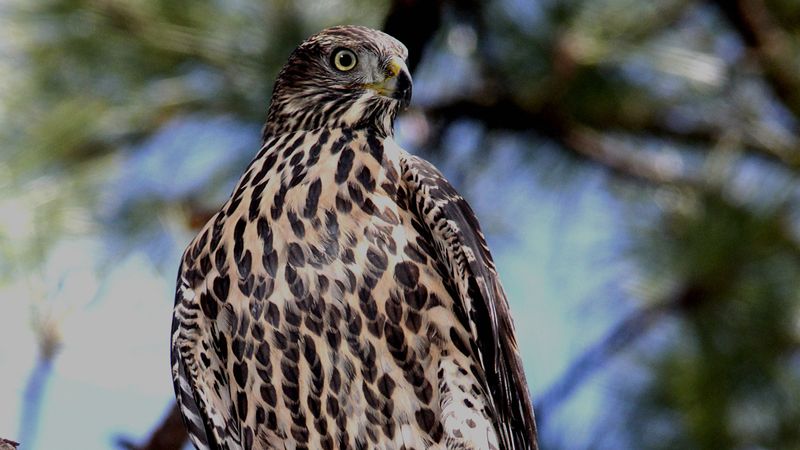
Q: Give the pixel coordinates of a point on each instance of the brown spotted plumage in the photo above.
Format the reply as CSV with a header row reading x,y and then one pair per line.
x,y
344,296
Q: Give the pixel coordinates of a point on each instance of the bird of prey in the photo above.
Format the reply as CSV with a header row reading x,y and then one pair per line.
x,y
344,297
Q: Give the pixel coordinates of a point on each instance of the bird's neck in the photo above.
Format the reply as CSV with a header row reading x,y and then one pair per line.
x,y
371,112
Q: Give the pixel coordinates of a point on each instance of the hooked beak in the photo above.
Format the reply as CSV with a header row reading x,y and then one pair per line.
x,y
397,82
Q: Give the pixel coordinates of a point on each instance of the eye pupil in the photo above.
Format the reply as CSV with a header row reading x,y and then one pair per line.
x,y
344,60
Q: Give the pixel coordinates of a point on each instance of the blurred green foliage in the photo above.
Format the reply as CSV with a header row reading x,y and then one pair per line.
x,y
727,377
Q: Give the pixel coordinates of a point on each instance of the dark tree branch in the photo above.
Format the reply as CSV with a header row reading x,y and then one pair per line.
x,y
770,45
496,112
624,160
414,22
504,113
617,156
170,435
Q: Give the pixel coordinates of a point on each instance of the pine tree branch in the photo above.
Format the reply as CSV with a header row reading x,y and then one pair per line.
x,y
501,112
769,44
586,142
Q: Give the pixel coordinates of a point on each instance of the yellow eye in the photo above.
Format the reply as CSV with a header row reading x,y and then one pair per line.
x,y
344,60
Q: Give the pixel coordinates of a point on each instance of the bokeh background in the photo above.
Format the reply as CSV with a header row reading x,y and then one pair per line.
x,y
634,164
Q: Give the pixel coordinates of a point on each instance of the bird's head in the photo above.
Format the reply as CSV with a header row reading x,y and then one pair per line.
x,y
345,76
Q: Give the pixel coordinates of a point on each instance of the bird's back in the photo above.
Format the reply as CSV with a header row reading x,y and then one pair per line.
x,y
312,311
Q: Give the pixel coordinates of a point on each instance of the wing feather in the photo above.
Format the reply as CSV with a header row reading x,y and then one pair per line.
x,y
462,248
206,413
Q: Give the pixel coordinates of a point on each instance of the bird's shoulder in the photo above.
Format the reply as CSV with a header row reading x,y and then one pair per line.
x,y
461,246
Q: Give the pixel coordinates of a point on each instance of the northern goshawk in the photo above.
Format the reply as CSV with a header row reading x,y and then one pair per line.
x,y
344,297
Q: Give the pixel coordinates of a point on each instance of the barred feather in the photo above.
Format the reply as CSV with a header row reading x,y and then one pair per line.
x,y
463,249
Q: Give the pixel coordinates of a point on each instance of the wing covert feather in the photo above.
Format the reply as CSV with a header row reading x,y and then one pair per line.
x,y
462,248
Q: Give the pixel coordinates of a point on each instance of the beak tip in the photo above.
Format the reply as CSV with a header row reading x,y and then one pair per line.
x,y
403,90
